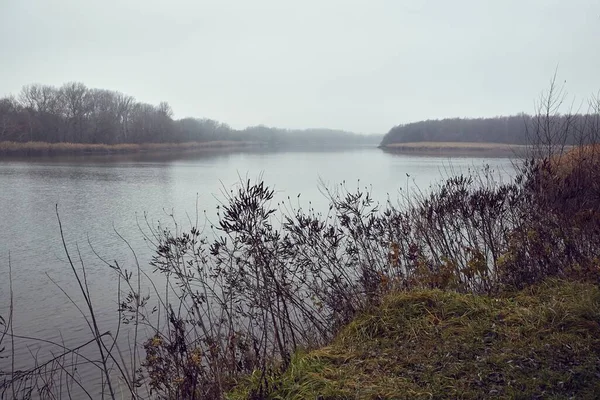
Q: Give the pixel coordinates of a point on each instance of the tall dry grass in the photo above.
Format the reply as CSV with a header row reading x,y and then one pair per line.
x,y
45,148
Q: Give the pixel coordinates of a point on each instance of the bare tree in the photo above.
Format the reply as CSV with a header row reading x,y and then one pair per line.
x,y
74,99
9,119
124,105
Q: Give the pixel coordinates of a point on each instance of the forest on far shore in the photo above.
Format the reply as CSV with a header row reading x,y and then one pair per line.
x,y
515,129
74,113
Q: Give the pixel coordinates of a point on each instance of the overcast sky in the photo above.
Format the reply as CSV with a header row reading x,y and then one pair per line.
x,y
356,65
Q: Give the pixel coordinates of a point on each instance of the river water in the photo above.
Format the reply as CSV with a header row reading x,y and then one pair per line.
x,y
97,197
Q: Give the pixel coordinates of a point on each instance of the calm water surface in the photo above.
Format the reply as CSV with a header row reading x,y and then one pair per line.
x,y
97,196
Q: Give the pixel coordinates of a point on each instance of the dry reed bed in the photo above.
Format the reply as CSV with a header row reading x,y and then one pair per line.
x,y
470,148
45,148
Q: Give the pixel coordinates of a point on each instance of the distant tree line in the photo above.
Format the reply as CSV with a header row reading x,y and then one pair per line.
x,y
516,129
307,137
75,113
78,114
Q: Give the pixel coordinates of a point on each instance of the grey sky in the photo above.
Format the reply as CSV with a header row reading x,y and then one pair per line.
x,y
357,65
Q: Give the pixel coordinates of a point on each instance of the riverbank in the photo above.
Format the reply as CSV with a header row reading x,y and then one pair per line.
x,y
532,330
542,342
25,149
457,149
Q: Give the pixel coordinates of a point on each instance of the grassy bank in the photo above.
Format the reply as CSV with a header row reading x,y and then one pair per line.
x,y
51,149
543,342
456,148
521,321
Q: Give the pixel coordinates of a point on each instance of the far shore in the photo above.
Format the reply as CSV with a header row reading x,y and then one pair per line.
x,y
21,149
457,148
44,149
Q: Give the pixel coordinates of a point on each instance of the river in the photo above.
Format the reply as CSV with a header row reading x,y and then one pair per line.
x,y
98,196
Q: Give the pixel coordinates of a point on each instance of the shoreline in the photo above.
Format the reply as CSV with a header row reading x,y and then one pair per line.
x,y
46,149
30,150
456,149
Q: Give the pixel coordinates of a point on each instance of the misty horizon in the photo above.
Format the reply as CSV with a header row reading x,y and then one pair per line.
x,y
355,66
21,95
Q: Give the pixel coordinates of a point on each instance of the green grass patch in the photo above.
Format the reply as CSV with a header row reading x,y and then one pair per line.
x,y
543,342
